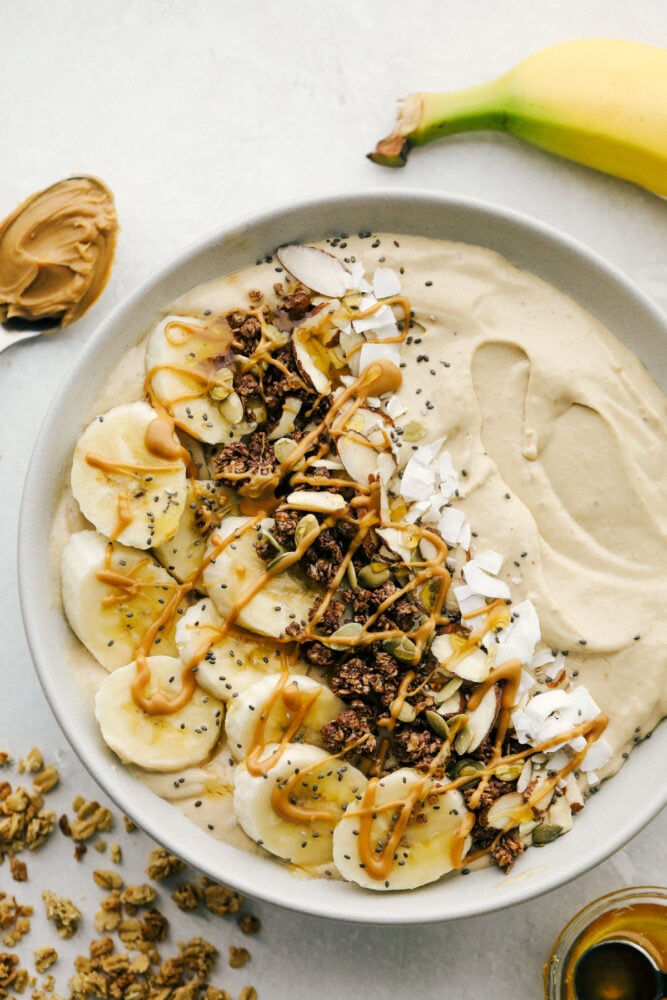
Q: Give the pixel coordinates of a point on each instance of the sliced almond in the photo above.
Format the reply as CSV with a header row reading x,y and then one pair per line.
x,y
322,502
285,426
307,366
315,268
507,811
482,718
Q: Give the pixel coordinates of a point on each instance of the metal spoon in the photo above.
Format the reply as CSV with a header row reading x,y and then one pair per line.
x,y
618,970
13,331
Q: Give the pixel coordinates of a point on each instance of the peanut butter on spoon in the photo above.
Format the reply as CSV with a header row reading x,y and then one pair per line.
x,y
56,251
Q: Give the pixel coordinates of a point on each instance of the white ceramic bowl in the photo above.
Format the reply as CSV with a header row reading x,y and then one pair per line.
x,y
623,805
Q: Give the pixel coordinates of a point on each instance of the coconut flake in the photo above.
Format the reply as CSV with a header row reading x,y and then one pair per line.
x,y
468,600
382,317
521,636
386,282
450,524
482,583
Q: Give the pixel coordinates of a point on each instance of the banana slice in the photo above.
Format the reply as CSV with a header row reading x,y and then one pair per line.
x,y
111,595
225,667
293,807
433,842
278,708
206,503
157,742
283,599
126,491
186,374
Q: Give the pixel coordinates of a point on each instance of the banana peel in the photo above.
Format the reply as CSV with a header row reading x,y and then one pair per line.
x,y
601,102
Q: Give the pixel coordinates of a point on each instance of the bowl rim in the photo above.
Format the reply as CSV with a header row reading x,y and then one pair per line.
x,y
265,878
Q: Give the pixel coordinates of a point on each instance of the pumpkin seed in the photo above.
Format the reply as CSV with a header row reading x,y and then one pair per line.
x,y
402,649
466,766
430,593
281,562
437,723
350,630
463,739
370,578
509,772
546,832
446,692
305,526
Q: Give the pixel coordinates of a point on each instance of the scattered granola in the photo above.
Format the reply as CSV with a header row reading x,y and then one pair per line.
x,y
136,970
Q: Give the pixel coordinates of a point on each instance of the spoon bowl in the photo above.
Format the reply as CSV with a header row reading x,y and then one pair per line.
x,y
13,331
618,970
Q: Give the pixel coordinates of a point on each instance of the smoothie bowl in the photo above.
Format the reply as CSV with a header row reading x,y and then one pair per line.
x,y
355,522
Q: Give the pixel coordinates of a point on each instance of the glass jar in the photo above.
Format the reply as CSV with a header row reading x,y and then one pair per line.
x,y
637,914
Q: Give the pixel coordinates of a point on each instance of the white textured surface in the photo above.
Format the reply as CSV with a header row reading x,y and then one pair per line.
x,y
195,113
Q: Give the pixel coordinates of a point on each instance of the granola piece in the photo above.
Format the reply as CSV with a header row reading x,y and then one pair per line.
x,y
238,956
416,745
375,681
187,896
134,896
509,847
295,304
107,879
130,826
248,993
46,779
154,926
214,993
162,864
33,762
220,899
5,758
349,727
116,853
45,958
18,869
249,924
9,972
239,461
62,911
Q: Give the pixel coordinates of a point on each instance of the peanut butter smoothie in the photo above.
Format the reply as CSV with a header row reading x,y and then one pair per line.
x,y
367,545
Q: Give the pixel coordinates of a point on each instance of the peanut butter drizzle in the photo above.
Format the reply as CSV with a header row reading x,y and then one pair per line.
x,y
298,704
132,469
123,515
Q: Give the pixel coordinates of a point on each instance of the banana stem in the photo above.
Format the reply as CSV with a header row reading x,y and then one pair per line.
x,y
424,117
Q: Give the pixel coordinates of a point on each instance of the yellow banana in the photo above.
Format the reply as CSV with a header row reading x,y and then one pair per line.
x,y
601,102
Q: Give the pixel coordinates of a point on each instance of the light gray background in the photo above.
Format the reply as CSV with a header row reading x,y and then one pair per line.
x,y
195,113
